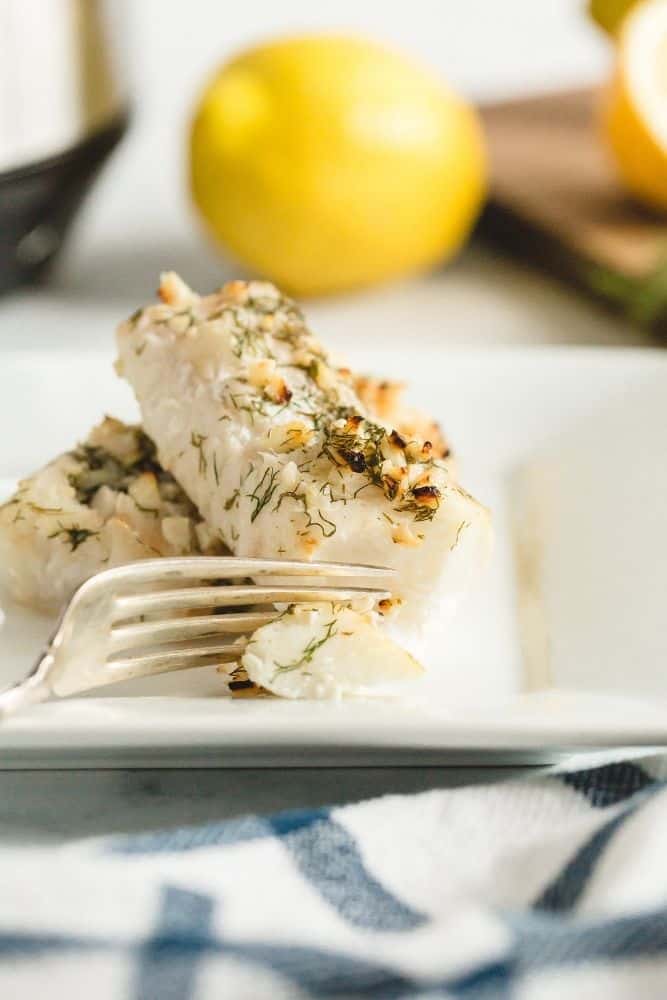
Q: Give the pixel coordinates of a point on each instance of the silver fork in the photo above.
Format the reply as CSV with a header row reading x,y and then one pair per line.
x,y
136,620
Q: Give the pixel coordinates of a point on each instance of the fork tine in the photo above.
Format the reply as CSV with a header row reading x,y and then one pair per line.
x,y
91,620
134,605
127,636
224,567
165,661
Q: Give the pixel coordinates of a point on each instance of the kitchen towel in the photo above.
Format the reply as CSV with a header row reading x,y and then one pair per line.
x,y
539,889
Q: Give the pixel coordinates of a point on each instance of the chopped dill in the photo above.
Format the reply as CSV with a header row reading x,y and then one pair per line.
x,y
343,498
245,403
308,652
153,511
215,469
135,317
459,531
197,441
101,468
244,479
421,512
74,535
263,492
248,340
229,503
327,527
360,489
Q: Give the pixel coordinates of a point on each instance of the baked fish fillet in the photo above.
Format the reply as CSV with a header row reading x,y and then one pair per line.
x,y
328,652
103,504
280,455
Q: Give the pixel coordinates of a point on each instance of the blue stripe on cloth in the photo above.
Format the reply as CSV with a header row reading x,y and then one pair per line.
x,y
183,839
544,939
490,982
168,962
292,820
325,974
328,857
184,940
609,784
28,944
231,831
569,885
323,851
168,966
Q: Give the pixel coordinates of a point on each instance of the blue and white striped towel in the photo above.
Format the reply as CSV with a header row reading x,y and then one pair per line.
x,y
542,889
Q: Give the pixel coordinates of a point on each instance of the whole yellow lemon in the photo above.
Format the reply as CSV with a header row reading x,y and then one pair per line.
x,y
609,14
326,163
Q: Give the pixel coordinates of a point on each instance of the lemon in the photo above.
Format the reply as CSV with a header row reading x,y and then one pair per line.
x,y
634,114
326,163
609,14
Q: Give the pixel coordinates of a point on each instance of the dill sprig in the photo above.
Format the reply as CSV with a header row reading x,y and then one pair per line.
x,y
327,527
74,536
100,468
153,511
343,498
247,340
244,402
230,501
420,511
197,441
263,492
135,317
308,652
357,446
459,531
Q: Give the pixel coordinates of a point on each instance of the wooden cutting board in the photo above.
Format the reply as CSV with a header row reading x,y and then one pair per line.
x,y
556,201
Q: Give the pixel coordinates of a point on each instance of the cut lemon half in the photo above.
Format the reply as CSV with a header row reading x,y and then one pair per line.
x,y
634,116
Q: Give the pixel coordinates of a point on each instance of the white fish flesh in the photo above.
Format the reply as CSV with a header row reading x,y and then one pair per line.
x,y
282,458
103,504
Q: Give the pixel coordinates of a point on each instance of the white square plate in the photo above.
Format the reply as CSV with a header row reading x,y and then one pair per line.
x,y
562,647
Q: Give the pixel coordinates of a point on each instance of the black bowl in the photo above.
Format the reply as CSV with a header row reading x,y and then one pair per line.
x,y
38,202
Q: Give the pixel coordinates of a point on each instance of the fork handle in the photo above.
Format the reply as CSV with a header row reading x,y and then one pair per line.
x,y
31,691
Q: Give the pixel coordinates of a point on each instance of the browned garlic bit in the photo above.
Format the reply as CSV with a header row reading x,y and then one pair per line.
x,y
384,399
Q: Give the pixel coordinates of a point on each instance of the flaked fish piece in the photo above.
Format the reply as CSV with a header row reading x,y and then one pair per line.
x,y
327,652
281,456
106,503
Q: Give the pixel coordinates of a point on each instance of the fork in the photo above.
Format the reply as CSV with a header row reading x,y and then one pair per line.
x,y
137,620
